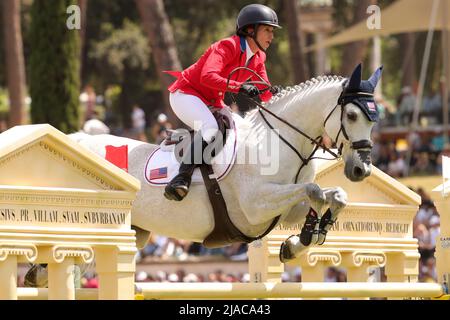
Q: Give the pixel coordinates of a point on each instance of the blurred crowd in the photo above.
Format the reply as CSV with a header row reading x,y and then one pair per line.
x,y
415,156
400,113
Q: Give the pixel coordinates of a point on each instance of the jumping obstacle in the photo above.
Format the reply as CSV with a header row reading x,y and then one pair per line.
x,y
374,230
61,204
173,291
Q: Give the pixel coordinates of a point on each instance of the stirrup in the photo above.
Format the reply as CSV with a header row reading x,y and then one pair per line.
x,y
178,188
172,193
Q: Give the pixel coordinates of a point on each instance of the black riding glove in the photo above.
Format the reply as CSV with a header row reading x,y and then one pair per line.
x,y
250,90
275,89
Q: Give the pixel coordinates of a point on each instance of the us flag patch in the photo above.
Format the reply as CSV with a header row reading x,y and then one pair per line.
x,y
372,106
159,173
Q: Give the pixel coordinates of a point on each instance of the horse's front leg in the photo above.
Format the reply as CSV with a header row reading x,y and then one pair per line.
x,y
316,226
296,244
263,203
337,198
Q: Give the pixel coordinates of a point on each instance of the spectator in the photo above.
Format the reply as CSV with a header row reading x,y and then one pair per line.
x,y
159,129
94,126
422,234
191,277
396,166
141,276
331,275
88,98
432,107
423,165
138,123
407,101
434,229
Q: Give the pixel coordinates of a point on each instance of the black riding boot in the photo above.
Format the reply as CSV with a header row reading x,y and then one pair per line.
x,y
178,188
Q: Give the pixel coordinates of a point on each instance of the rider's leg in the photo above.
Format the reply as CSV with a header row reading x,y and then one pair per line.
x,y
194,113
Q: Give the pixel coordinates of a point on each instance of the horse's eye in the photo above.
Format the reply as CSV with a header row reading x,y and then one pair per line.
x,y
352,116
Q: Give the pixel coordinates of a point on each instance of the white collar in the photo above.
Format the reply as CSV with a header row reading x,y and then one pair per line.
x,y
249,52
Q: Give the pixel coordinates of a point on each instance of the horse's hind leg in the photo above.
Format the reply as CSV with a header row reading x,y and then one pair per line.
x,y
142,237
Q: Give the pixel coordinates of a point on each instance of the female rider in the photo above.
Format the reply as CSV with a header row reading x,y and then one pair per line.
x,y
203,84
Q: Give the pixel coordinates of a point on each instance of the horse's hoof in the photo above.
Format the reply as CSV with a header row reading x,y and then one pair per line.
x,y
284,256
285,251
36,277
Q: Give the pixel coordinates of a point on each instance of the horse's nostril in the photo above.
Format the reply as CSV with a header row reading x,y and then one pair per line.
x,y
357,172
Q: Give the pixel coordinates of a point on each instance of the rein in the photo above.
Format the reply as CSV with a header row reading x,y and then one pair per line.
x,y
317,141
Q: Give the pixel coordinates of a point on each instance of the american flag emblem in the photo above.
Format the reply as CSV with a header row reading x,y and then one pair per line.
x,y
159,173
372,106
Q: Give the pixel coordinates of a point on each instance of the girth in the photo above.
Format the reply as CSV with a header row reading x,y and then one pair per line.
x,y
224,232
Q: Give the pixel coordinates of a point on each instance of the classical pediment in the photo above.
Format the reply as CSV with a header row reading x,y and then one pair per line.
x,y
40,156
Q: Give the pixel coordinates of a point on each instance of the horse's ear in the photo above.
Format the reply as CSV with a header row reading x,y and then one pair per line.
x,y
376,77
355,79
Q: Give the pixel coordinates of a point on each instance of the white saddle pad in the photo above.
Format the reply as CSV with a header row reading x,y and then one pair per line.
x,y
162,165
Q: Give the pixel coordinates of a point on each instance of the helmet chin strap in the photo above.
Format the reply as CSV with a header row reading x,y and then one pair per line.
x,y
253,36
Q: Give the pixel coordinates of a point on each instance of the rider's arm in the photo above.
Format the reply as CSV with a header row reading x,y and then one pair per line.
x,y
221,55
261,70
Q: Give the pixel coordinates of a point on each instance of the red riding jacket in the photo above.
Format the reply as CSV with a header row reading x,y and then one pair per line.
x,y
207,78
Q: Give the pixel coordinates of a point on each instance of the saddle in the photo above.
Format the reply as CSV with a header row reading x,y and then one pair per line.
x,y
224,232
163,163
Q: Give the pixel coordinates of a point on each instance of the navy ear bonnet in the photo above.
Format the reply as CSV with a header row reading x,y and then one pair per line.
x,y
360,92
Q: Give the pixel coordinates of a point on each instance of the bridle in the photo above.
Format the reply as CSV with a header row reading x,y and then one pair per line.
x,y
318,142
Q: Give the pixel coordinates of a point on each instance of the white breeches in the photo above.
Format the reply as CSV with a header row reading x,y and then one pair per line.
x,y
194,113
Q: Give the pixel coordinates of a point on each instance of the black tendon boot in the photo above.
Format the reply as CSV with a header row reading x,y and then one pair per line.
x,y
178,188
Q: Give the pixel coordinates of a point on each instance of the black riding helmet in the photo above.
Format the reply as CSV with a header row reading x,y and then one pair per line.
x,y
254,15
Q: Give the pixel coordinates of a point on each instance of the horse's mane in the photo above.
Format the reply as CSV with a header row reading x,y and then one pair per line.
x,y
293,90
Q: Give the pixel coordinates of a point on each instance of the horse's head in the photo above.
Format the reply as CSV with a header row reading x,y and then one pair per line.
x,y
350,123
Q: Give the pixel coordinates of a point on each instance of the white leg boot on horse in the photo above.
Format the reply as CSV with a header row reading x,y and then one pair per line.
x,y
316,226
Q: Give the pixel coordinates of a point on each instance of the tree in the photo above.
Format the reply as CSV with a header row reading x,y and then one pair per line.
x,y
54,66
15,67
355,52
159,31
407,46
124,56
299,66
83,8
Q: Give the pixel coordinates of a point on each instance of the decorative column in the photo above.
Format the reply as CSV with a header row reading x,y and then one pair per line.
x,y
314,262
61,260
402,267
116,267
357,263
9,253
